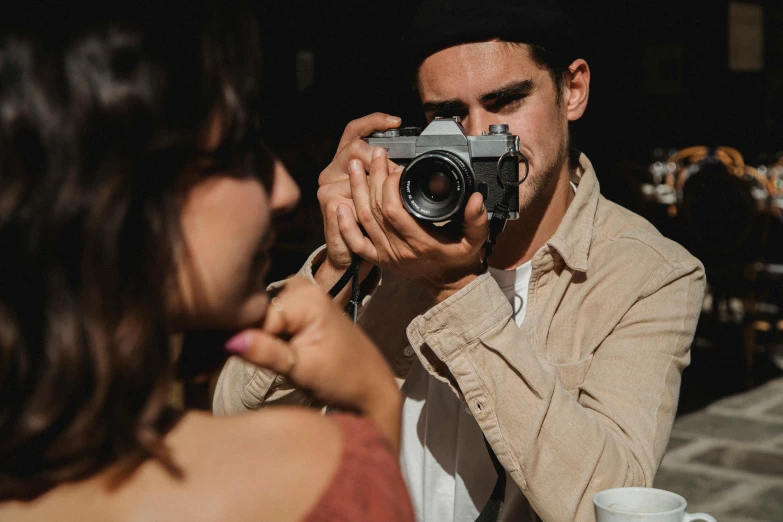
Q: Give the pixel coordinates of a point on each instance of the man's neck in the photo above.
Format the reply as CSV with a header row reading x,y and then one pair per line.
x,y
522,237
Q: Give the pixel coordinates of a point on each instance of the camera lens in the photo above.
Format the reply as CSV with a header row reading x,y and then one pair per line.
x,y
436,185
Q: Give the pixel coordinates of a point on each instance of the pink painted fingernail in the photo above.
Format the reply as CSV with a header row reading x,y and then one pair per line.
x,y
342,209
238,344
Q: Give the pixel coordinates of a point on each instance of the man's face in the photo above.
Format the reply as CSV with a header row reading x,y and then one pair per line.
x,y
494,82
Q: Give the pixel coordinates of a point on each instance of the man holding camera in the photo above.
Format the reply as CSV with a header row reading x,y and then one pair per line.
x,y
565,355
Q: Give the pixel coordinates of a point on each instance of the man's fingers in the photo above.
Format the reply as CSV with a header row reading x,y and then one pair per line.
x,y
475,228
331,228
353,237
393,210
263,349
338,168
390,194
379,171
336,189
361,127
360,193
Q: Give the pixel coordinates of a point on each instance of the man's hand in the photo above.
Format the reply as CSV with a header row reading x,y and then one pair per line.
x,y
397,242
334,190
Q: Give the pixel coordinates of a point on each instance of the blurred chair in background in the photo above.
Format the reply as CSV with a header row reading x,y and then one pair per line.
x,y
725,212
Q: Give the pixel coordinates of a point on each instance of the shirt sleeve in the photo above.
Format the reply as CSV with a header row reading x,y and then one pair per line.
x,y
560,449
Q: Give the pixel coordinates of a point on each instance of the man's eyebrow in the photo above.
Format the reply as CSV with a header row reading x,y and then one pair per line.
x,y
443,106
515,89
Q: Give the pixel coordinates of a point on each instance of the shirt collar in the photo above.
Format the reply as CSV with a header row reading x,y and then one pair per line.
x,y
572,237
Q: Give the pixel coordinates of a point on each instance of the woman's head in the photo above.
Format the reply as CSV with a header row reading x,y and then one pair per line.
x,y
124,137
224,252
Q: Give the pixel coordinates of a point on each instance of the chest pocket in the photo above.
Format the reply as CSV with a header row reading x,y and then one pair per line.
x,y
572,374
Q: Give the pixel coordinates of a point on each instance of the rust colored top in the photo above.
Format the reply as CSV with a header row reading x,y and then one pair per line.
x,y
368,485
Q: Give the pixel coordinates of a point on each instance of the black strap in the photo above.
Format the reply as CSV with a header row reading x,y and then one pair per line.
x,y
500,214
502,211
353,305
351,274
494,506
356,261
496,225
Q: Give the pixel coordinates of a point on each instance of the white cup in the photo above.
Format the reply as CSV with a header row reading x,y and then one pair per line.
x,y
648,504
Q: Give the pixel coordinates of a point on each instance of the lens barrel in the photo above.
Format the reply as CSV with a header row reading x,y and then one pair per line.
x,y
435,186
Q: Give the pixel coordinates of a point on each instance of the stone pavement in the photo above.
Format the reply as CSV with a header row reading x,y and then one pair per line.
x,y
727,460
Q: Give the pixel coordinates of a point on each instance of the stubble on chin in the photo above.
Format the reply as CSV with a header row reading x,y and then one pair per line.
x,y
532,190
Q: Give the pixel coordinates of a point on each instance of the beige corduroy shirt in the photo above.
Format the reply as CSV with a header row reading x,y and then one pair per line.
x,y
582,397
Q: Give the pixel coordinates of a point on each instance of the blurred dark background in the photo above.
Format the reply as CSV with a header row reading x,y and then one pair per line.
x,y
662,78
660,74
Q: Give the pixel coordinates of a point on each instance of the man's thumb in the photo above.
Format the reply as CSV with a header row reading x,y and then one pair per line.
x,y
475,226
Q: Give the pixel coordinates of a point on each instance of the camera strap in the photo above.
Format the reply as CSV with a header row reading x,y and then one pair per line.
x,y
502,210
500,214
494,506
353,305
351,274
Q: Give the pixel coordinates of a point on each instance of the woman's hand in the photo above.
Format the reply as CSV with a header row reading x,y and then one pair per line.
x,y
307,338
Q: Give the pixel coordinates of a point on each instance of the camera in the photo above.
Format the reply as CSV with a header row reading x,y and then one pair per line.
x,y
444,166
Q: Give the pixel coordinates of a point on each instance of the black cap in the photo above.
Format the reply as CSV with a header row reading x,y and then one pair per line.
x,y
439,24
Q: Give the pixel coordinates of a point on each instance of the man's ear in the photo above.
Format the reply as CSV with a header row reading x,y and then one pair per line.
x,y
577,89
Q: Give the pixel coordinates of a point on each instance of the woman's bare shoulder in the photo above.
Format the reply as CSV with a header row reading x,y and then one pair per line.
x,y
266,465
273,464
283,427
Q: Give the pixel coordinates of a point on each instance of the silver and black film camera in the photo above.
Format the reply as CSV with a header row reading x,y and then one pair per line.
x,y
444,166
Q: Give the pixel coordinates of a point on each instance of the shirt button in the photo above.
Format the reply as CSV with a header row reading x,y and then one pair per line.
x,y
408,351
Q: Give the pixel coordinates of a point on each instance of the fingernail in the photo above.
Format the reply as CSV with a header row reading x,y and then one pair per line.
x,y
355,166
377,152
342,209
238,344
482,209
394,120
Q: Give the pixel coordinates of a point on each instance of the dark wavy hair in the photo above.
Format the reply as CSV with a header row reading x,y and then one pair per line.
x,y
102,111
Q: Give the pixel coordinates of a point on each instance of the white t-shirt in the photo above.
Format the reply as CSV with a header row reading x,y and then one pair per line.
x,y
443,456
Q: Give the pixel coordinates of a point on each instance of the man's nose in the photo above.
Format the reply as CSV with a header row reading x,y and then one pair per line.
x,y
476,122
